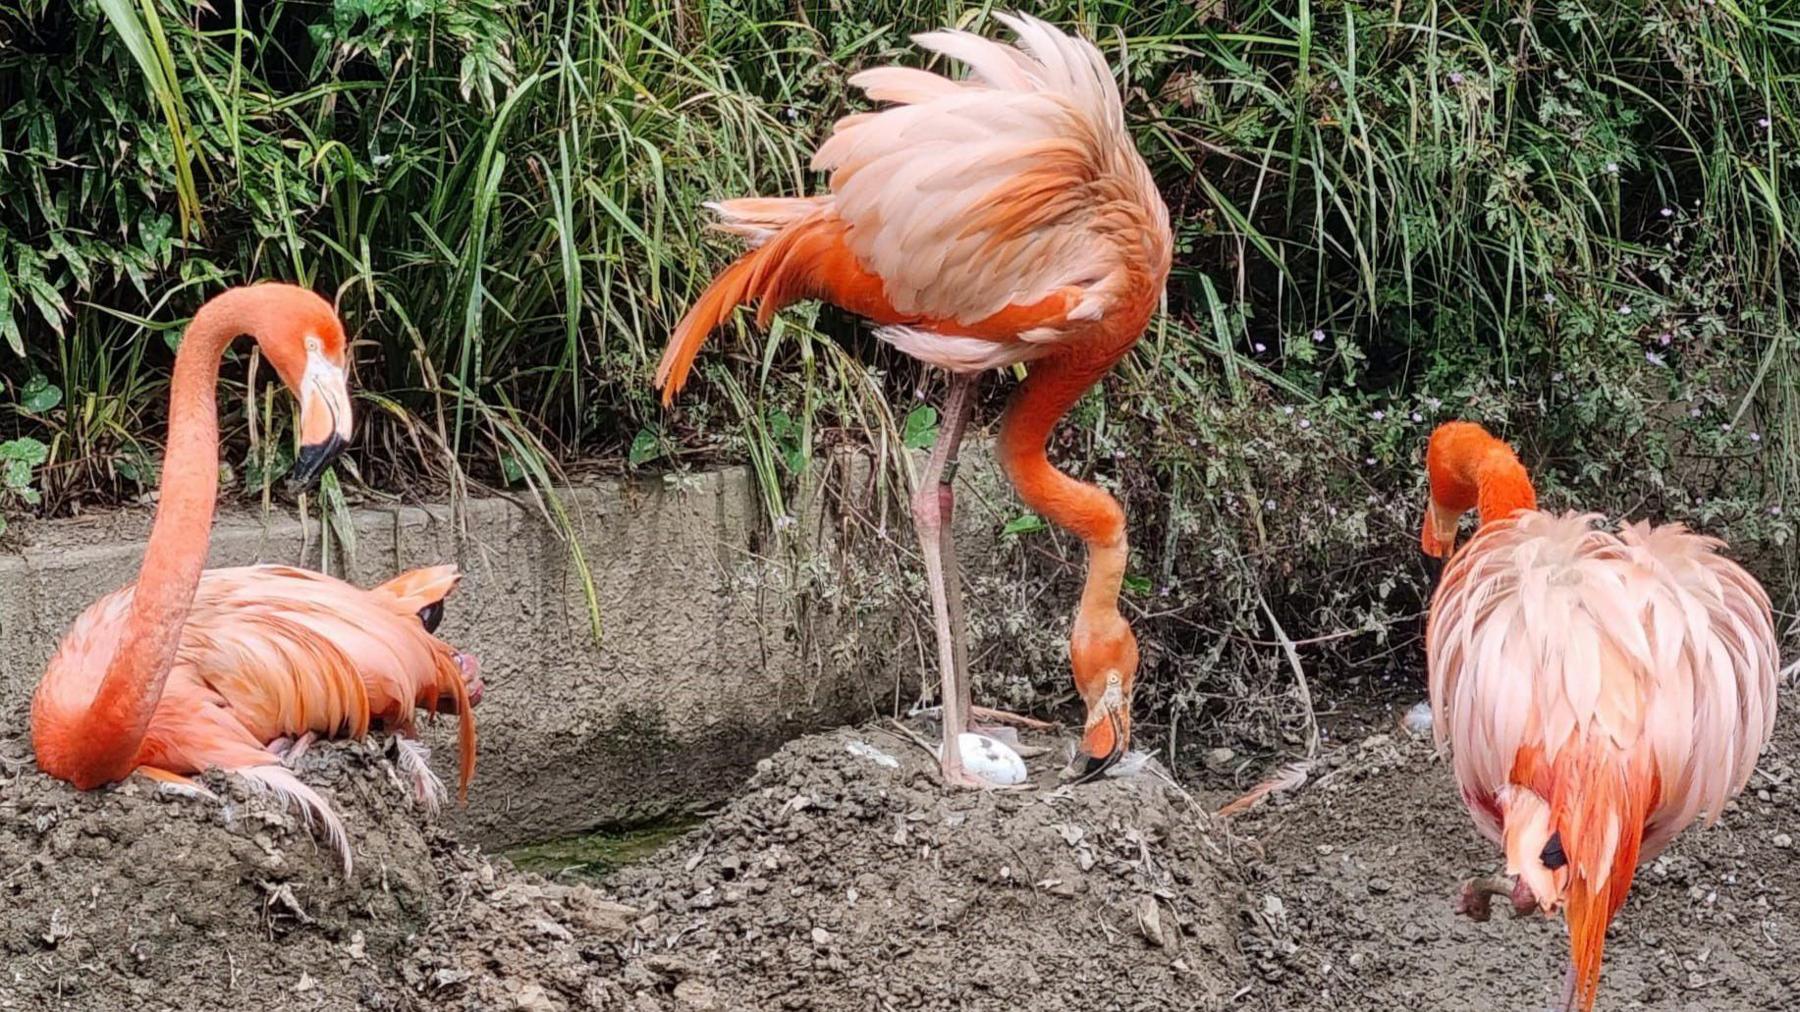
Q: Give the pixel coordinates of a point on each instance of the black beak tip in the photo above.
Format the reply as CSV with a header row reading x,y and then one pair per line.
x,y
1434,567
312,461
1096,766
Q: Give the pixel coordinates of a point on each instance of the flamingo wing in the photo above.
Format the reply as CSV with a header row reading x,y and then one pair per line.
x,y
291,651
1009,205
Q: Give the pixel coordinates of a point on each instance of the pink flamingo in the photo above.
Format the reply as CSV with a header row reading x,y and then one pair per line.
x,y
238,669
982,223
1598,691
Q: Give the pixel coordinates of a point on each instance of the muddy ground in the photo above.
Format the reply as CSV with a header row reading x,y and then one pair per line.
x,y
842,877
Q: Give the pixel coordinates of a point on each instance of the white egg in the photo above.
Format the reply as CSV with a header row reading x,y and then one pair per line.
x,y
991,760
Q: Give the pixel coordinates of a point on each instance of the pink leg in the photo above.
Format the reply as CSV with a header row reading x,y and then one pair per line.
x,y
289,750
933,504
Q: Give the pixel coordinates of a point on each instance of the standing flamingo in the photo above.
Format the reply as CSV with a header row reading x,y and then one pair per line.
x,y
1002,219
237,669
1598,691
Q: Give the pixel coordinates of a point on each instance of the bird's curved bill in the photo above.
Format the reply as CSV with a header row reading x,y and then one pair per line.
x,y
1434,569
324,420
1104,744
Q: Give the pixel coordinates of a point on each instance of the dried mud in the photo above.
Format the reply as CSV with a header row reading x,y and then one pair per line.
x,y
842,877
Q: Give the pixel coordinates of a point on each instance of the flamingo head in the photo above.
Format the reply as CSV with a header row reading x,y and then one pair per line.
x,y
1469,469
305,343
1104,654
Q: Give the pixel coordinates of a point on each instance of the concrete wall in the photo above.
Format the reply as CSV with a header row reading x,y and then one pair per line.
x,y
702,667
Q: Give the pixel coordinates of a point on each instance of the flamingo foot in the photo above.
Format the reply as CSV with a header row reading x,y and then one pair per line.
x,y
1475,901
289,750
175,783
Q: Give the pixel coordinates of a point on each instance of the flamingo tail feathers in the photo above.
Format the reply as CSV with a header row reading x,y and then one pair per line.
x,y
418,589
806,258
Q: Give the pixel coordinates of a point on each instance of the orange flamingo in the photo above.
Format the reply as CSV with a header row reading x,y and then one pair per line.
x,y
1002,219
238,669
1598,691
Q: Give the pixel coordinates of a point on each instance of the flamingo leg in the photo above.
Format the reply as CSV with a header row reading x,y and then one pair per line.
x,y
933,505
289,750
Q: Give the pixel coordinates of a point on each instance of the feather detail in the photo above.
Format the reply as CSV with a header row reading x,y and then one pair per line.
x,y
1291,777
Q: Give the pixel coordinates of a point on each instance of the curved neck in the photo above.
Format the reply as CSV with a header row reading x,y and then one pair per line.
x,y
1087,511
176,554
1470,469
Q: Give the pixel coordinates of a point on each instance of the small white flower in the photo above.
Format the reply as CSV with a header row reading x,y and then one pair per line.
x,y
1756,437
1378,414
1774,511
1433,403
1668,212
1625,310
1612,168
1653,358
1369,461
1287,409
1269,504
1763,122
1725,427
1693,412
1556,377
1260,347
1417,417
1305,424
1664,339
1549,299
1318,336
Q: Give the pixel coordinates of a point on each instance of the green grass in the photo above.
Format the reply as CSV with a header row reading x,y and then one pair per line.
x,y
1382,210
596,855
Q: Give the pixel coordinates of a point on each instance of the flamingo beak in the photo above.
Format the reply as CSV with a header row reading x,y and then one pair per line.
x,y
1107,737
1439,543
325,420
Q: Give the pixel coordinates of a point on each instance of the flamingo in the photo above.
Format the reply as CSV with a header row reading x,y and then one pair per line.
x,y
1599,691
240,669
981,223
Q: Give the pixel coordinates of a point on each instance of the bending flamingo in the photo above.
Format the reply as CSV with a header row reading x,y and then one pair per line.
x,y
1006,218
236,669
1599,691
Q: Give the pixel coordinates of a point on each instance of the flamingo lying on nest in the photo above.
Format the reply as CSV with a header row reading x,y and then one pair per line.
x,y
237,669
1002,219
1599,691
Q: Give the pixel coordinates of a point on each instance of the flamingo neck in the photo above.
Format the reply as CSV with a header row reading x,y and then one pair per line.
x,y
128,694
1085,510
1470,469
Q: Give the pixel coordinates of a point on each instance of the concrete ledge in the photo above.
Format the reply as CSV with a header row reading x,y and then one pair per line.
x,y
702,667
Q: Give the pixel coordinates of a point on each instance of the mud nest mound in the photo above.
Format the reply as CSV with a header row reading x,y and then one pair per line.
x,y
139,898
845,877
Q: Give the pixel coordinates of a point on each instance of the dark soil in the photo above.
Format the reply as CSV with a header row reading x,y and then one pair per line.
x,y
833,882
843,878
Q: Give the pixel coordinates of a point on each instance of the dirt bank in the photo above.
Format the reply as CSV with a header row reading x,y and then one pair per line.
x,y
842,877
